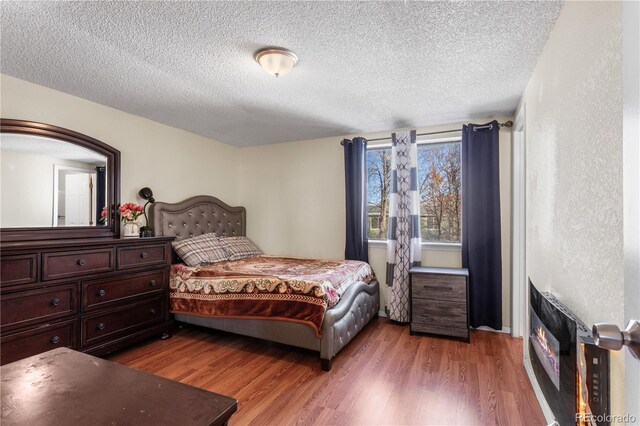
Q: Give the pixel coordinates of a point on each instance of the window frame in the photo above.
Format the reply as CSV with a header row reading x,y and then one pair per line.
x,y
426,245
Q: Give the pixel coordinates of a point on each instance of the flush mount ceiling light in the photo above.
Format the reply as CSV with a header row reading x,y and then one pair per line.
x,y
276,61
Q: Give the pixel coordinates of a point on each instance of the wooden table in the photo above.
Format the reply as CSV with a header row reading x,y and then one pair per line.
x,y
65,387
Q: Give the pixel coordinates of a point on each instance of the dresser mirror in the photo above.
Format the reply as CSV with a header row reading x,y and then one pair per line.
x,y
56,183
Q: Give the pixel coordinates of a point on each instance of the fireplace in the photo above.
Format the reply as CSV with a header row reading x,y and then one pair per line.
x,y
571,371
547,349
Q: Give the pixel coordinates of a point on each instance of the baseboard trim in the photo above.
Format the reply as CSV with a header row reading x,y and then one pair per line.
x,y
505,330
546,410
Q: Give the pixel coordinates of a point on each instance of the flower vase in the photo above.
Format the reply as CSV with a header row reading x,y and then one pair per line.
x,y
131,230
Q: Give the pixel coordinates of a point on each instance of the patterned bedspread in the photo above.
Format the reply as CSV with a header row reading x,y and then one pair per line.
x,y
268,287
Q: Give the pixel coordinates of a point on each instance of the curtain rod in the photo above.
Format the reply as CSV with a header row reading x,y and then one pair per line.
x,y
488,126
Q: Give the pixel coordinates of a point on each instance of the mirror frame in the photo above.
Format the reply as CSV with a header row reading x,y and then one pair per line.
x,y
24,127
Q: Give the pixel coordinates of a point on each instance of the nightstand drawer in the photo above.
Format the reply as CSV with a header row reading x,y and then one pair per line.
x,y
76,263
440,329
101,293
33,306
135,257
439,287
440,313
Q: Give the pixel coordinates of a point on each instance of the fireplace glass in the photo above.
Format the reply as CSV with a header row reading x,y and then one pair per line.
x,y
547,348
572,372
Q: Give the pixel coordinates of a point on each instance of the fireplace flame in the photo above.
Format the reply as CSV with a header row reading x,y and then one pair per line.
x,y
542,338
548,355
583,411
581,418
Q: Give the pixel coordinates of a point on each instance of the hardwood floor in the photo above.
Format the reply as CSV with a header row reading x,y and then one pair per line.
x,y
384,376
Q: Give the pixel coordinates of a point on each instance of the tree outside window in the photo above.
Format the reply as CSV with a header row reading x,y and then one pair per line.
x,y
439,180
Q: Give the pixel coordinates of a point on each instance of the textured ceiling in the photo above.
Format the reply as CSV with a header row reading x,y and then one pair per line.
x,y
364,66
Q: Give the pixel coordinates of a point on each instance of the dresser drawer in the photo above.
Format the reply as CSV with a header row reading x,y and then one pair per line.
x,y
16,270
101,293
33,306
31,342
439,287
76,263
136,257
122,320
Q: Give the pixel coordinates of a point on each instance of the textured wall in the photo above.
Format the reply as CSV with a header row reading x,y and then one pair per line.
x,y
574,163
574,166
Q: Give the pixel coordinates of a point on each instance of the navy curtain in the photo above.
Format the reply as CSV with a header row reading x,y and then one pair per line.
x,y
355,168
481,251
101,188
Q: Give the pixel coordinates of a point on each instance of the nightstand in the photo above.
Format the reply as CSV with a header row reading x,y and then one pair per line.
x,y
439,299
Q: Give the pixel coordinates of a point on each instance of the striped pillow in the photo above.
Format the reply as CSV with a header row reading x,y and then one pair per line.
x,y
201,250
240,248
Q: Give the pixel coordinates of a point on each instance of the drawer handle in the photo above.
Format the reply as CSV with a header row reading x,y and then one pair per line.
x,y
82,262
55,302
101,326
101,293
143,255
153,311
153,283
55,340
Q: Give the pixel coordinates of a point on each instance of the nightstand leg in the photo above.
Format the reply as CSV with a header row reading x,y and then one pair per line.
x,y
166,335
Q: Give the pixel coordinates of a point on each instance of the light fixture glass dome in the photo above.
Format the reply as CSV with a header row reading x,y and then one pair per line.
x,y
275,61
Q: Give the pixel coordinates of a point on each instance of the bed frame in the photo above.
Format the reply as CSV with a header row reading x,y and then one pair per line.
x,y
204,214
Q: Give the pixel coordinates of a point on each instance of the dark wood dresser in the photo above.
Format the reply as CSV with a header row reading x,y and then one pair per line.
x,y
94,295
439,299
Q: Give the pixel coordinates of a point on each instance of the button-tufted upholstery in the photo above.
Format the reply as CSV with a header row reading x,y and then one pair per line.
x,y
357,306
202,214
196,216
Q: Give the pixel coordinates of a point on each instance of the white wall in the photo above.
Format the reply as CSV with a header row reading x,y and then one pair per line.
x,y
20,171
295,197
573,101
174,163
26,185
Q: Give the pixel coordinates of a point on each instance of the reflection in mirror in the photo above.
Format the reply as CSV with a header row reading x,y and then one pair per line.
x,y
49,182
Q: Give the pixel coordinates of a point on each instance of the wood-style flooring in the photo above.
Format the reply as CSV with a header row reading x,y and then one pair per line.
x,y
384,376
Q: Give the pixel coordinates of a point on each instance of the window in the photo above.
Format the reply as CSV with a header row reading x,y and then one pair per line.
x,y
374,222
428,222
378,181
439,182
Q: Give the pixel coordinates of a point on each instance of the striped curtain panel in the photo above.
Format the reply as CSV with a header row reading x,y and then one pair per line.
x,y
403,246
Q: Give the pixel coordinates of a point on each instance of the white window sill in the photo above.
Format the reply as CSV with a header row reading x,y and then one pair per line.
x,y
425,246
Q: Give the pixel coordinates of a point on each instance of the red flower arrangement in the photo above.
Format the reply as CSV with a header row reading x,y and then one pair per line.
x,y
103,215
129,212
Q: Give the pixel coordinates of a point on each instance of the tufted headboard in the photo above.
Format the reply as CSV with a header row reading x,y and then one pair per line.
x,y
197,215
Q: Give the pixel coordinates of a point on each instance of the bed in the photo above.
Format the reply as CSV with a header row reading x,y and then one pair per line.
x,y
357,305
